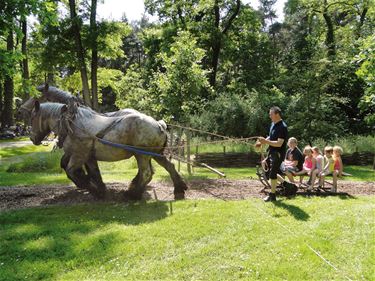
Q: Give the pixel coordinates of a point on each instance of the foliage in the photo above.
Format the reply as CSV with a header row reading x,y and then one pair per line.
x,y
180,84
197,56
367,72
240,116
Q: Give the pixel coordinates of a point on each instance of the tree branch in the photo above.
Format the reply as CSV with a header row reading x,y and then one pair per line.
x,y
233,16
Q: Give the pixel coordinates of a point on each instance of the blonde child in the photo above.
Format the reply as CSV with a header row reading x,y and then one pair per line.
x,y
309,163
329,168
338,167
319,166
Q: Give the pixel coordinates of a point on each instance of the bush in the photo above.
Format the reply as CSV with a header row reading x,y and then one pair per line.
x,y
236,115
38,162
349,144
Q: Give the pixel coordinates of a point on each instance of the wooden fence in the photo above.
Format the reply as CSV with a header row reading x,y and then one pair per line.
x,y
252,159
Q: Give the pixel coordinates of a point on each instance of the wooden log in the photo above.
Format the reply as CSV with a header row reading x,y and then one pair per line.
x,y
213,170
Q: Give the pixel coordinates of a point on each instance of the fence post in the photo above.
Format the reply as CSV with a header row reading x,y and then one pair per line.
x,y
188,152
179,149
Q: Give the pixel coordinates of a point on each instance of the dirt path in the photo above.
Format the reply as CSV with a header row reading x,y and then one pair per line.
x,y
33,196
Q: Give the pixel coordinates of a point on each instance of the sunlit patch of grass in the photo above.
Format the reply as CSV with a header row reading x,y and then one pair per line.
x,y
207,239
18,151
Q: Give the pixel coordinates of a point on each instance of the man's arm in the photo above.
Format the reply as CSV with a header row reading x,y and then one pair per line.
x,y
277,143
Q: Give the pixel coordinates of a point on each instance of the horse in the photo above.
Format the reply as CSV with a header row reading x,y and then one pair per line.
x,y
83,129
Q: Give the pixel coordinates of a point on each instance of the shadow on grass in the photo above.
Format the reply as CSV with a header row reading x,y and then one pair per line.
x,y
37,242
341,195
295,211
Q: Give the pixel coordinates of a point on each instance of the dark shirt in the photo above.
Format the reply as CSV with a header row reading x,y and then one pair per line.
x,y
279,130
296,156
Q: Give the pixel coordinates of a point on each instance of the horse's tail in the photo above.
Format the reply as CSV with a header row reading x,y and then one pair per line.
x,y
163,125
163,128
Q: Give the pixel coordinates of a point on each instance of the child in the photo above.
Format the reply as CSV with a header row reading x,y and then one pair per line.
x,y
308,165
319,165
338,167
288,164
293,159
329,168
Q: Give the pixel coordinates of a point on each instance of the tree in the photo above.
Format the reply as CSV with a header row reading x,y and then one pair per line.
x,y
94,55
7,113
75,20
209,21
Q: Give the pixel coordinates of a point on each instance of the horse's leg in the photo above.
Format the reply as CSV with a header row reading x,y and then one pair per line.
x,y
75,172
81,179
94,175
179,184
143,177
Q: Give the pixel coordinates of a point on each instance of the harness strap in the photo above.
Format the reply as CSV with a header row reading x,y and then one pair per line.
x,y
103,132
128,147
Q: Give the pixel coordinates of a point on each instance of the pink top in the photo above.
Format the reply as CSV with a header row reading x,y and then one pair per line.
x,y
308,164
337,164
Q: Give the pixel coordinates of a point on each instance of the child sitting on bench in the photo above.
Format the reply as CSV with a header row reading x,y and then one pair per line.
x,y
333,165
308,165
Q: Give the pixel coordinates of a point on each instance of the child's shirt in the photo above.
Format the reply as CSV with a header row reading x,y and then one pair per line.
x,y
308,164
331,162
337,165
319,162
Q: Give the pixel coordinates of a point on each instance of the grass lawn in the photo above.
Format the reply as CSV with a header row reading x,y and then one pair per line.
x,y
23,150
206,239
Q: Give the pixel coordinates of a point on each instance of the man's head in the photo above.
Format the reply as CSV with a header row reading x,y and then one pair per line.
x,y
275,114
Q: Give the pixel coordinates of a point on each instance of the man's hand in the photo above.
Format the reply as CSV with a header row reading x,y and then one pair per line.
x,y
262,140
258,144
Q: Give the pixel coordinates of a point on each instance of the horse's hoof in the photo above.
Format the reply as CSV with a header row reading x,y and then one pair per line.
x,y
179,196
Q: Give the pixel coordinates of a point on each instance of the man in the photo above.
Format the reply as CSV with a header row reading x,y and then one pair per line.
x,y
277,145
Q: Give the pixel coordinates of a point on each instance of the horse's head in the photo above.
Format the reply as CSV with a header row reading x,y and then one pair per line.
x,y
24,112
39,127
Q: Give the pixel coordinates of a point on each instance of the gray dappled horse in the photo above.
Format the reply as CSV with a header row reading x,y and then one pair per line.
x,y
80,128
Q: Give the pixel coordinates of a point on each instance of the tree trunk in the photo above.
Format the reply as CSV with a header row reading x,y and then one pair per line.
x,y
94,56
330,36
7,113
1,97
25,62
50,78
216,44
216,47
80,54
219,34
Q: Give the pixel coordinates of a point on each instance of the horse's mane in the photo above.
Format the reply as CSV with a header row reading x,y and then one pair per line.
x,y
56,95
49,109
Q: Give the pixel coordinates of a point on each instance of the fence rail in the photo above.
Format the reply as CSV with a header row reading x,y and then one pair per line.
x,y
251,159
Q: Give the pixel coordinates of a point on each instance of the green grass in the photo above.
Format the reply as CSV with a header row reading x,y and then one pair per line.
x,y
18,151
206,240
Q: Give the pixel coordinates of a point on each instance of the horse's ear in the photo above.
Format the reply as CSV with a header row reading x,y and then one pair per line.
x,y
64,108
36,105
